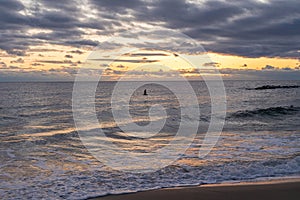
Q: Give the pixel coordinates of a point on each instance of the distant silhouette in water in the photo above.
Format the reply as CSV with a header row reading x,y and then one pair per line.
x,y
270,87
145,92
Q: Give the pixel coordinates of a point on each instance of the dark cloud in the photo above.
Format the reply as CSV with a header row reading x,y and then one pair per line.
x,y
252,74
137,74
19,60
60,18
55,61
37,64
287,69
118,6
184,14
117,72
189,71
68,70
68,56
125,60
247,28
10,17
43,50
17,52
14,67
82,42
61,5
3,65
76,52
211,64
268,67
146,54
34,75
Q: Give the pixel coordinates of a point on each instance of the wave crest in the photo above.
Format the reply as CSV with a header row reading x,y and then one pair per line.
x,y
272,111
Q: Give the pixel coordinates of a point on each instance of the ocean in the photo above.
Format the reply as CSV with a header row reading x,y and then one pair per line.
x,y
42,155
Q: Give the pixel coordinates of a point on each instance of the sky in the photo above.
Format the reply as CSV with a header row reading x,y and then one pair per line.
x,y
51,40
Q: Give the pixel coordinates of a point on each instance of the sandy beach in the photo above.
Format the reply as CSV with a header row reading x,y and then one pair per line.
x,y
275,190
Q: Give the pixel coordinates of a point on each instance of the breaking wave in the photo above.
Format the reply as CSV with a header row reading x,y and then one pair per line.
x,y
267,112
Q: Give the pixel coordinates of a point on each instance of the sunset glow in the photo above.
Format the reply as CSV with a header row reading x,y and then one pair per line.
x,y
57,39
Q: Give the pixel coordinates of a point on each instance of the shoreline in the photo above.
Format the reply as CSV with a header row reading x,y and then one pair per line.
x,y
275,189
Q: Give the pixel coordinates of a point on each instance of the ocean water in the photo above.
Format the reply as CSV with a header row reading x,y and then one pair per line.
x,y
42,156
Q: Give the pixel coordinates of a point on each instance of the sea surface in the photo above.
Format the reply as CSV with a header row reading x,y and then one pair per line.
x,y
42,156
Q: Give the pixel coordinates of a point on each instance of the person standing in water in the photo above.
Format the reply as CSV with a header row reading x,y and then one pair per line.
x,y
145,92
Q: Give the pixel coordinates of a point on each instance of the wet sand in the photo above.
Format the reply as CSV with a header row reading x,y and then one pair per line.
x,y
274,190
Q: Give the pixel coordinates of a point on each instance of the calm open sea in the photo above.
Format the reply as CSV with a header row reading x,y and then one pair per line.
x,y
42,156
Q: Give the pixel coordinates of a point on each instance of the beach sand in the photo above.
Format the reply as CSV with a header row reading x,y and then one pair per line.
x,y
273,190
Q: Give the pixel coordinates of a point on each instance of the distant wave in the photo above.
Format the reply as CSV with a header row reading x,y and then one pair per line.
x,y
272,111
270,87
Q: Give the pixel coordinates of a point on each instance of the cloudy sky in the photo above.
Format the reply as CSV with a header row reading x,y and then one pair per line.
x,y
51,39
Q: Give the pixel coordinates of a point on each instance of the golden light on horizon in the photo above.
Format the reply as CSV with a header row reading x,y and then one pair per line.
x,y
58,58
